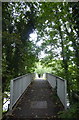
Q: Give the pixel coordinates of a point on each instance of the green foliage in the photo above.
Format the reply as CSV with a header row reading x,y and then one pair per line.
x,y
56,24
19,53
40,69
71,113
58,28
54,65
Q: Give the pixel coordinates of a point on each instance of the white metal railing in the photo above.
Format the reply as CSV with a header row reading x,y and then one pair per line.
x,y
61,87
18,86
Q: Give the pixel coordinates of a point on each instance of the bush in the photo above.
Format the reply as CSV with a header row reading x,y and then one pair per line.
x,y
72,112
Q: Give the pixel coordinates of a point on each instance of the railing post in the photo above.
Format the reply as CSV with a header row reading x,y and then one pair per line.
x,y
11,94
65,94
56,84
33,76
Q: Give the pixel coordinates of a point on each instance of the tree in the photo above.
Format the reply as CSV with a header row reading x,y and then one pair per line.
x,y
60,41
19,54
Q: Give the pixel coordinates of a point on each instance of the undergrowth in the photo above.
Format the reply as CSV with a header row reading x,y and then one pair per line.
x,y
71,113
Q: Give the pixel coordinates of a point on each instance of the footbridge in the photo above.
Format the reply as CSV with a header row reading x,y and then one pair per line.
x,y
34,97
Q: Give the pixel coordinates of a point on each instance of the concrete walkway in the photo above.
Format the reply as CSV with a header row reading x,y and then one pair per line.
x,y
39,101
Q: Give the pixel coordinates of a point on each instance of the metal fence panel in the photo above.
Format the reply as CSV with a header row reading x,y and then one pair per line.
x,y
18,86
60,85
51,79
61,91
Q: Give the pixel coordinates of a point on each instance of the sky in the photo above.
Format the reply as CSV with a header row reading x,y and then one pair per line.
x,y
33,37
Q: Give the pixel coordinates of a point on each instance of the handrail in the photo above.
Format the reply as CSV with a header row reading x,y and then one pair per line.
x,y
21,76
56,76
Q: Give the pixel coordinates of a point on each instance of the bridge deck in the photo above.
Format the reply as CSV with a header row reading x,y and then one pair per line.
x,y
39,101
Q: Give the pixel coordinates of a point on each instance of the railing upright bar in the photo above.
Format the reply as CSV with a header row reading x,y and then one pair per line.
x,y
65,94
11,94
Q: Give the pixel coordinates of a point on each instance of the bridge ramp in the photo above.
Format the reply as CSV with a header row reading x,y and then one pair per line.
x,y
38,101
